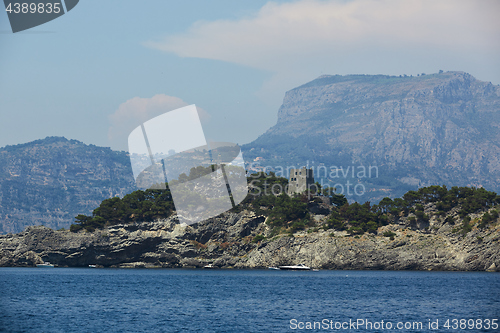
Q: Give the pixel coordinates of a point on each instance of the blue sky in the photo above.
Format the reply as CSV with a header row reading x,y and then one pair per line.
x,y
104,67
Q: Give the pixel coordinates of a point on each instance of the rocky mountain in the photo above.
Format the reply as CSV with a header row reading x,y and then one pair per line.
x,y
50,181
408,131
244,240
368,136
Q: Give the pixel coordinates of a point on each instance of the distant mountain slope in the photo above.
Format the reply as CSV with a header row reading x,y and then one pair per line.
x,y
52,180
431,129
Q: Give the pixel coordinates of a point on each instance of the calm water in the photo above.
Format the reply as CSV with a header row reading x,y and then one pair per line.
x,y
135,300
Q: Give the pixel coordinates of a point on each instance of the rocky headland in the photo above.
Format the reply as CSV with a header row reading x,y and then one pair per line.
x,y
244,240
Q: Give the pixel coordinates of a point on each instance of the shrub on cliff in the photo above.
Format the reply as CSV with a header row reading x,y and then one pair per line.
x,y
389,234
357,218
139,205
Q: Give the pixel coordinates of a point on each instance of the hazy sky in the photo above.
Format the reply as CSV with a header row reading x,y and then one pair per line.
x,y
106,66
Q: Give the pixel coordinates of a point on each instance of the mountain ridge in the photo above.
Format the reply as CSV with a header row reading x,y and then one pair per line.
x,y
50,181
426,130
432,129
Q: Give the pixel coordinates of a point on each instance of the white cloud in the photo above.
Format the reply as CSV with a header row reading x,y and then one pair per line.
x,y
283,36
136,111
298,41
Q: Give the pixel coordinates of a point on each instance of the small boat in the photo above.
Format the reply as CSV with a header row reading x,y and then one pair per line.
x,y
299,267
209,266
45,265
275,268
92,266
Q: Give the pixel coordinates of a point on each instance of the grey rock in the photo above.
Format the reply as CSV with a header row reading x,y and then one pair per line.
x,y
226,242
50,181
432,129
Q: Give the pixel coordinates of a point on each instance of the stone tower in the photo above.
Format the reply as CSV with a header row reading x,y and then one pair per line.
x,y
300,180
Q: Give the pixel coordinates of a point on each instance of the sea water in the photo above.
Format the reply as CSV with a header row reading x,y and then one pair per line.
x,y
182,300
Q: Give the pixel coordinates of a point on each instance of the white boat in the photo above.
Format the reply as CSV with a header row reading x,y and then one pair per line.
x,y
92,266
209,266
45,265
299,267
275,268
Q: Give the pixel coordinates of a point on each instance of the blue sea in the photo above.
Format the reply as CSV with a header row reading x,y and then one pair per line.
x,y
171,300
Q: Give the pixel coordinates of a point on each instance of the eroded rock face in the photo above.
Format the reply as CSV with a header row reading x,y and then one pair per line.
x,y
432,129
226,242
50,181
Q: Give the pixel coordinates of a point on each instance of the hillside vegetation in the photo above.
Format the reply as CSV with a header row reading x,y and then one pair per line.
x,y
433,228
285,214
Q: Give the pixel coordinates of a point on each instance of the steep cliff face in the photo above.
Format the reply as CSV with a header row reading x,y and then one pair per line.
x,y
431,129
228,241
50,181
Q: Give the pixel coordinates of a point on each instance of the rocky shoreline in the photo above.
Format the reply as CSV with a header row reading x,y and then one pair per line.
x,y
229,241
